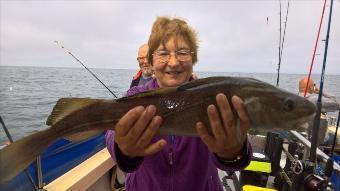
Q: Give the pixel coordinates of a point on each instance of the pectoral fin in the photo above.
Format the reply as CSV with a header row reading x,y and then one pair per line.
x,y
82,135
252,104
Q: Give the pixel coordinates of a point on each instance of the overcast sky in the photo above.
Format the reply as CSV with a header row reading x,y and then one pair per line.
x,y
234,35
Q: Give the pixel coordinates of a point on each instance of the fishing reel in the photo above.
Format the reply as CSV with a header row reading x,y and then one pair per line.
x,y
314,182
297,167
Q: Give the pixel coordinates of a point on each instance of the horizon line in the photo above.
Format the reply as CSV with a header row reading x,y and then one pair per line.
x,y
335,74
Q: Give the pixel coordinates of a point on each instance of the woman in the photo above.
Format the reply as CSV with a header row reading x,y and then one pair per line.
x,y
174,162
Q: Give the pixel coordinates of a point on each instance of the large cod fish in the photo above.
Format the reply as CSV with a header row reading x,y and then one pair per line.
x,y
180,107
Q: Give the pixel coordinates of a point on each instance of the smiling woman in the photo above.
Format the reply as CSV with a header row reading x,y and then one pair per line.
x,y
168,162
173,51
172,63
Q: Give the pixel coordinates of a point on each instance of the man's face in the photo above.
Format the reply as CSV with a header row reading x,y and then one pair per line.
x,y
143,62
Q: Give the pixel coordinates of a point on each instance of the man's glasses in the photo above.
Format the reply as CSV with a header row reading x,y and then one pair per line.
x,y
141,59
181,55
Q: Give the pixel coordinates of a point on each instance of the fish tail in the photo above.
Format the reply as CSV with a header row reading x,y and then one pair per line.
x,y
17,156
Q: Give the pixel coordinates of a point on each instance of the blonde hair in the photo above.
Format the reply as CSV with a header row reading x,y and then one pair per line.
x,y
164,28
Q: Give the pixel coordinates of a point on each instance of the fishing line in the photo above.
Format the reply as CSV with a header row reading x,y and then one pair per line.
x,y
70,53
315,47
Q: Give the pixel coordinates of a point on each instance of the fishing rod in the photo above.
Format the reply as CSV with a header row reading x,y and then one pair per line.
x,y
283,41
284,31
335,135
6,130
70,53
11,141
278,67
316,123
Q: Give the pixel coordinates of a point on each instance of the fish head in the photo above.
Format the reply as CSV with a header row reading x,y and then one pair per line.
x,y
274,109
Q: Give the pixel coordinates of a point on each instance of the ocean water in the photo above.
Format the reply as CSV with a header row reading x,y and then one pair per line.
x,y
28,94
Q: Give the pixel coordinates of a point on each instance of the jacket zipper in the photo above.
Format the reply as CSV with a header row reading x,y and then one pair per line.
x,y
171,162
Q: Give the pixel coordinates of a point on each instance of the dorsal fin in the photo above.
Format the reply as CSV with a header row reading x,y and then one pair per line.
x,y
200,82
158,91
66,106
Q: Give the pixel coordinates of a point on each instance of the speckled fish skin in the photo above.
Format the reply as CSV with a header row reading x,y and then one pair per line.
x,y
180,107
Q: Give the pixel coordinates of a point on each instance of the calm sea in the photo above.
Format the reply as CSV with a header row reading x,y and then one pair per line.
x,y
28,94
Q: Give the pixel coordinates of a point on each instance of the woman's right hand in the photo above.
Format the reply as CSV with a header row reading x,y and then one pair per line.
x,y
135,130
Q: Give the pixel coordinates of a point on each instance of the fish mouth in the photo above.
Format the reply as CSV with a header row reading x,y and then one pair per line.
x,y
299,124
302,123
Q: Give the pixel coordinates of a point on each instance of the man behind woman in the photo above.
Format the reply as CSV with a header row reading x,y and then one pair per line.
x,y
329,102
156,162
145,72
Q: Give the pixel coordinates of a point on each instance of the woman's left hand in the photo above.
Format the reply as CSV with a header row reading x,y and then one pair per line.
x,y
224,141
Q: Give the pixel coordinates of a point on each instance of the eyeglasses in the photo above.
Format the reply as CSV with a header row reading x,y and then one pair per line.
x,y
181,55
140,59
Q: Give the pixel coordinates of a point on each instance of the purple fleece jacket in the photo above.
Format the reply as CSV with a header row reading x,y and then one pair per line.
x,y
185,163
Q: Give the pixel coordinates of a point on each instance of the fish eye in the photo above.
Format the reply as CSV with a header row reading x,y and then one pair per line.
x,y
288,105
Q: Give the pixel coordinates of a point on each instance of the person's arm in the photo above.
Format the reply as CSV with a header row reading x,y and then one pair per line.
x,y
125,163
238,163
328,95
